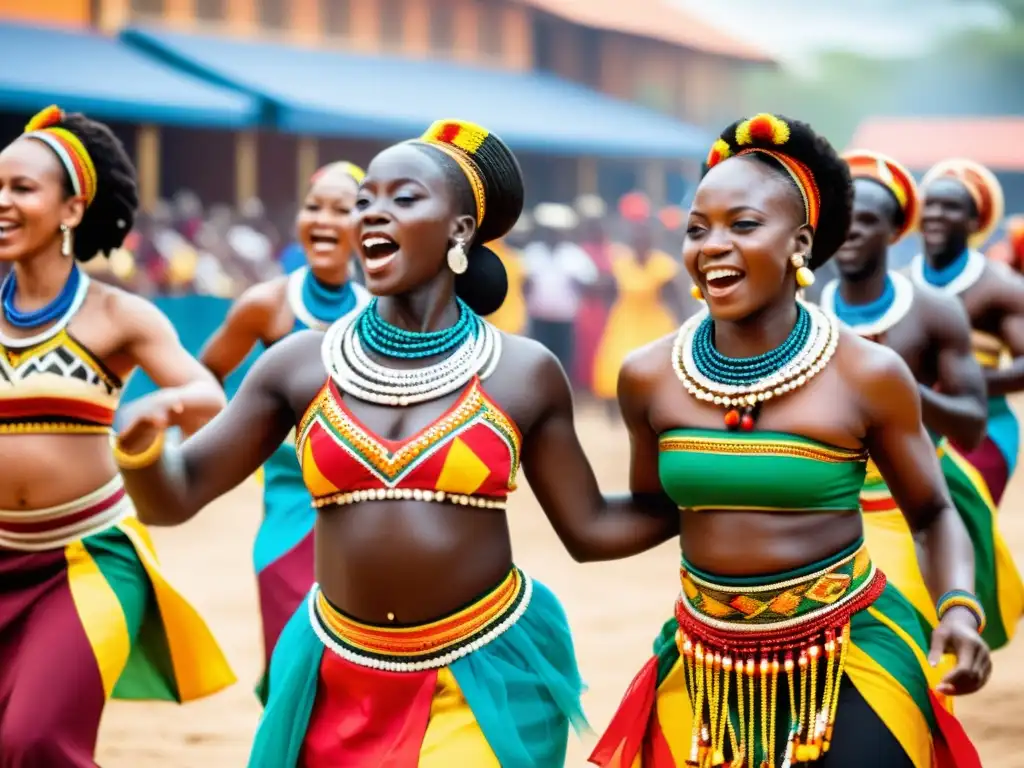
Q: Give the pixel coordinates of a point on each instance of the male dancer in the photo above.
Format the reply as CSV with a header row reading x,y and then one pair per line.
x,y
931,332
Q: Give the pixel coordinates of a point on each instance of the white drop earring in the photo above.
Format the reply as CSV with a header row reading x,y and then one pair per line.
x,y
67,244
457,259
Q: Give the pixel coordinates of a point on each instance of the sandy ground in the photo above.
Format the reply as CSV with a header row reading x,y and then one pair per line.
x,y
614,608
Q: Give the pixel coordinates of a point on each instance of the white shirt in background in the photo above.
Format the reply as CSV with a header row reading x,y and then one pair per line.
x,y
556,278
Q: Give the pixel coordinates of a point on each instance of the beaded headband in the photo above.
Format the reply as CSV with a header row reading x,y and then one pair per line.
x,y
352,170
69,150
983,187
770,129
461,141
865,164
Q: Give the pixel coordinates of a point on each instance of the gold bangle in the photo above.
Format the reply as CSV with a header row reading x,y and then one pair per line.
x,y
139,460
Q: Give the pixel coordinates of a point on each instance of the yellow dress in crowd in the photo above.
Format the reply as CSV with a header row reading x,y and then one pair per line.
x,y
511,317
638,316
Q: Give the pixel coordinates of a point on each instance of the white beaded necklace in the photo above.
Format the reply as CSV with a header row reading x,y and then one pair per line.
x,y
12,342
969,275
355,373
903,300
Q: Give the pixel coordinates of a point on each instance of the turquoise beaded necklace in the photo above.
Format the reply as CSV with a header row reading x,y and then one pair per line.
x,y
389,340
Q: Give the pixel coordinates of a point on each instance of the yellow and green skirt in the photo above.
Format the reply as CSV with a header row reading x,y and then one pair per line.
x,y
495,684
997,583
776,671
86,614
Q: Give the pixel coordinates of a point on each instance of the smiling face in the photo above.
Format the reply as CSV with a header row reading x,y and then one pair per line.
x,y
408,214
872,228
324,221
33,200
948,218
745,223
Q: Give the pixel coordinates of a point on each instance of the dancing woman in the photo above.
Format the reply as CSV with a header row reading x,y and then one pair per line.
x,y
422,644
313,296
963,204
930,331
84,612
787,646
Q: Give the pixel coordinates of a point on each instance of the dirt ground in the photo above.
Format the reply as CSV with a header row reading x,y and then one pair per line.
x,y
614,609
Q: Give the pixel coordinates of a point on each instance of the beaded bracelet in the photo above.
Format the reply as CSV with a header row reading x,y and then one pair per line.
x,y
964,599
144,458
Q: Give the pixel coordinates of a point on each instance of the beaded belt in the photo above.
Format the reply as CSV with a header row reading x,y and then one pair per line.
x,y
795,624
417,494
427,646
34,530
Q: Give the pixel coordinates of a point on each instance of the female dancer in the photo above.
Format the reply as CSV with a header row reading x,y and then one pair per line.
x,y
963,203
313,296
439,651
783,630
83,602
930,331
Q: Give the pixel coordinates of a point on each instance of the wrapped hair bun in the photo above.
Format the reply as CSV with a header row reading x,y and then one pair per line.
x,y
484,284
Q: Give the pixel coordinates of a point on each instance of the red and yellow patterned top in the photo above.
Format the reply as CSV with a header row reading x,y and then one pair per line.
x,y
469,455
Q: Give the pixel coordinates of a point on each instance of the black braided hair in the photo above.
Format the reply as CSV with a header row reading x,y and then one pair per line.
x,y
798,140
111,215
484,284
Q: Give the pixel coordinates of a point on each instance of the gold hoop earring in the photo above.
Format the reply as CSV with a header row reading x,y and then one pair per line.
x,y
696,293
804,276
457,260
67,244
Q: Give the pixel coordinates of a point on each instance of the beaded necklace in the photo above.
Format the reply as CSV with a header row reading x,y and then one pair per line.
x,y
317,305
953,279
356,373
874,318
45,314
391,341
742,385
77,299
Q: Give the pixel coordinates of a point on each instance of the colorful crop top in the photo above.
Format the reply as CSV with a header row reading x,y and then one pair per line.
x,y
56,386
702,469
470,455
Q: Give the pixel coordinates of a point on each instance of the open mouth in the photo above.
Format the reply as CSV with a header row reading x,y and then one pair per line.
x,y
378,251
6,228
324,240
721,280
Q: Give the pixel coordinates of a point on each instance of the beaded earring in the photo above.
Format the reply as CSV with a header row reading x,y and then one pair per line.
x,y
457,260
695,292
804,276
67,245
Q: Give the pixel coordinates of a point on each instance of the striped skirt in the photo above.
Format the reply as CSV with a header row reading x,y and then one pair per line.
x,y
495,684
996,457
86,614
777,671
997,583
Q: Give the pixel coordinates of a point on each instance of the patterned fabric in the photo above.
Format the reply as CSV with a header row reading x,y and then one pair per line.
x,y
57,386
714,469
470,451
768,604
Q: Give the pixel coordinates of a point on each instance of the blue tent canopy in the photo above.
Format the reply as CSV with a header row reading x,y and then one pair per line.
x,y
335,94
104,77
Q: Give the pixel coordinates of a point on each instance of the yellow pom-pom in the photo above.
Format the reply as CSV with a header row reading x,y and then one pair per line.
x,y
764,128
719,152
466,136
804,277
44,118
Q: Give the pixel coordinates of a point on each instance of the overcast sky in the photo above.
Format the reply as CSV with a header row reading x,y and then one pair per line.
x,y
793,30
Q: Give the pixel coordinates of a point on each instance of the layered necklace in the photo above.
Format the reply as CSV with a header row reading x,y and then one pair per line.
x,y
954,278
472,347
742,384
59,311
316,305
876,317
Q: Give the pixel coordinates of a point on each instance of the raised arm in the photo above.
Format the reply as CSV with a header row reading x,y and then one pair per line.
x,y
1010,305
591,526
169,484
899,445
244,327
955,408
153,345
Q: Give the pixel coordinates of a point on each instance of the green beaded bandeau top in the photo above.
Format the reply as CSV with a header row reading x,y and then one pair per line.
x,y
704,469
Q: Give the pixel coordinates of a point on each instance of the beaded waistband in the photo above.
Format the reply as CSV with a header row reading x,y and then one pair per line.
x,y
417,494
427,646
792,631
33,530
